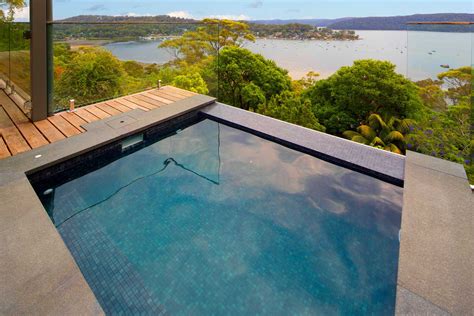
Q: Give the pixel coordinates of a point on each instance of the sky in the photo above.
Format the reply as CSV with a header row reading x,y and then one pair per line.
x,y
258,9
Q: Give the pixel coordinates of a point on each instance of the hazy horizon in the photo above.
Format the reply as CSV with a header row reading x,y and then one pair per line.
x,y
255,9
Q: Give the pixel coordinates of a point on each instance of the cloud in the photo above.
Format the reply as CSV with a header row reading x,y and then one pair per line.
x,y
180,14
133,14
256,4
241,17
96,7
22,14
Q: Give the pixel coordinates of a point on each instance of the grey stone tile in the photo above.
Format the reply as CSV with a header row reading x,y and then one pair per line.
x,y
437,164
35,261
70,298
437,239
410,304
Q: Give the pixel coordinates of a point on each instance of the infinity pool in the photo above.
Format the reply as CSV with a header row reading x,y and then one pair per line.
x,y
212,220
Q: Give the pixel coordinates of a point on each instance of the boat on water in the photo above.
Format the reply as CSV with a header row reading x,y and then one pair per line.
x,y
445,66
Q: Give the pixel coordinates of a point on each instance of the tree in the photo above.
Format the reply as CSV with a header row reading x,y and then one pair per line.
x,y
432,94
377,133
445,135
133,68
458,82
207,40
239,67
92,75
306,82
349,96
192,82
290,108
11,6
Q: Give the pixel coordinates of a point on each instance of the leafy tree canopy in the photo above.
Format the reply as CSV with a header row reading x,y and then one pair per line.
x,y
192,82
93,74
349,96
288,107
208,40
239,67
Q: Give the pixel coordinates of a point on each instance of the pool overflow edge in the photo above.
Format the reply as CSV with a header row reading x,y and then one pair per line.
x,y
38,164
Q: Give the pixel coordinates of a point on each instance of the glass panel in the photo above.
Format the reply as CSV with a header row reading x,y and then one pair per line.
x,y
97,62
440,62
20,60
4,53
15,52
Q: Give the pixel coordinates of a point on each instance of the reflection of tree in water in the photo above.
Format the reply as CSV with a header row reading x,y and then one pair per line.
x,y
49,199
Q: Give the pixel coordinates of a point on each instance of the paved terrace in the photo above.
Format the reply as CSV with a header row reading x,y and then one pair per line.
x,y
18,134
39,276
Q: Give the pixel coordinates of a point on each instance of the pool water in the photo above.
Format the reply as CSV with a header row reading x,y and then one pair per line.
x,y
212,220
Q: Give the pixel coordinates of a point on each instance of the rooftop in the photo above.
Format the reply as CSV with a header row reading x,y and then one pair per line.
x,y
435,274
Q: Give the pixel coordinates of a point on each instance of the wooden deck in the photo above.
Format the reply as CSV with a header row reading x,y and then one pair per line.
x,y
18,134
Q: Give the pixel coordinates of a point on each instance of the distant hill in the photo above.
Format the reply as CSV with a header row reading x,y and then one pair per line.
x,y
347,23
313,22
400,22
108,18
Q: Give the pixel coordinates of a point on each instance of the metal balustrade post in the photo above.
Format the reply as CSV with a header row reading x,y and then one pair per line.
x,y
40,14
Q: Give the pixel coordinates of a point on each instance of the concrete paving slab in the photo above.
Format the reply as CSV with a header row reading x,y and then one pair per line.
x,y
437,236
410,304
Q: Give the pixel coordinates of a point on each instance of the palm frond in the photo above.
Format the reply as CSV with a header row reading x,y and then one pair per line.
x,y
395,136
360,139
377,142
350,134
367,132
377,122
394,149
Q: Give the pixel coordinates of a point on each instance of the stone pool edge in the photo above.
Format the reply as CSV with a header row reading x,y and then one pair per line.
x,y
21,210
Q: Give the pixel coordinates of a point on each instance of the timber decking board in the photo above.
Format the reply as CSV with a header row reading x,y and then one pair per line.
x,y
18,134
4,152
153,102
97,112
31,134
64,126
131,104
180,91
141,103
12,136
86,116
168,95
118,106
74,119
157,98
49,131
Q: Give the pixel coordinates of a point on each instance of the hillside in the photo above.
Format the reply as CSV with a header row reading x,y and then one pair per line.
x,y
313,22
131,19
400,22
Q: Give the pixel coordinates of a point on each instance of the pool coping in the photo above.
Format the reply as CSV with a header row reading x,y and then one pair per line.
x,y
22,214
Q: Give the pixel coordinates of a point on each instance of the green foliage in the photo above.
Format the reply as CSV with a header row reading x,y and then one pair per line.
x,y
458,82
346,98
192,82
445,135
252,96
239,67
299,31
432,94
93,74
133,68
376,132
288,107
207,40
